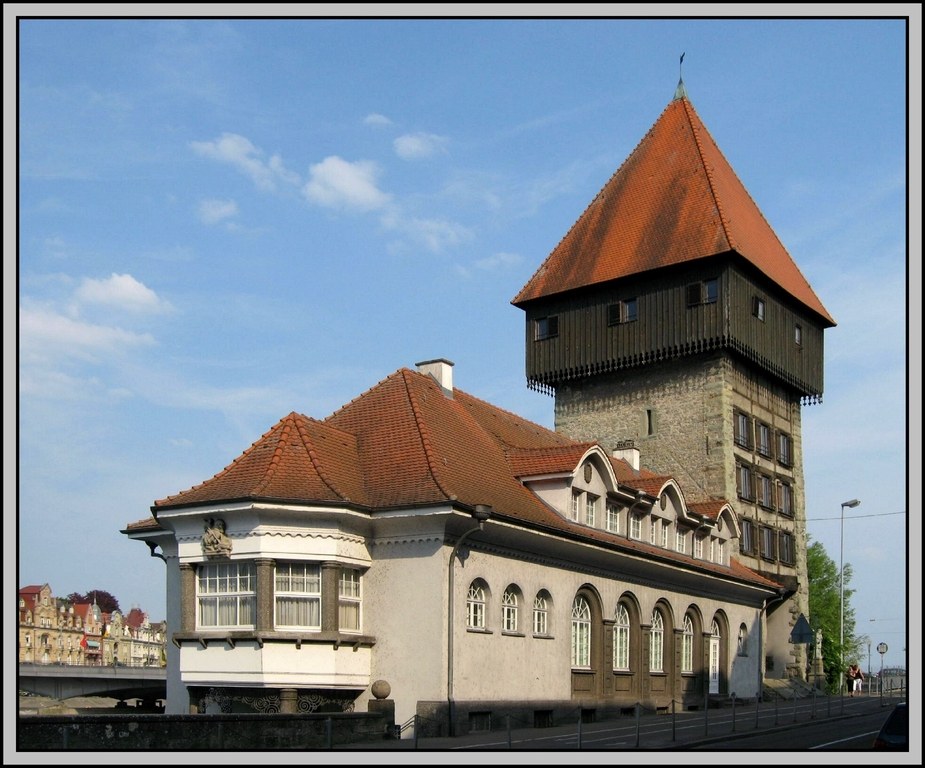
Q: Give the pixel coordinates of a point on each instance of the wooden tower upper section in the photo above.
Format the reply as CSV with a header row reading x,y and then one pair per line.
x,y
670,259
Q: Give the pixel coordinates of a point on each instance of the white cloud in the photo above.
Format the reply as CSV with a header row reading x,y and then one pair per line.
x,y
214,211
337,183
240,153
435,235
120,292
499,260
413,146
376,119
43,331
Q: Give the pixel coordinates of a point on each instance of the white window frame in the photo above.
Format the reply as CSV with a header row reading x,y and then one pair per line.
x,y
226,591
581,633
297,590
657,643
349,600
509,610
575,505
612,519
636,527
687,645
540,614
621,639
653,530
680,540
475,606
698,547
664,536
590,509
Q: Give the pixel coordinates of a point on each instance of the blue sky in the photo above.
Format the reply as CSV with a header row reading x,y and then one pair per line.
x,y
225,220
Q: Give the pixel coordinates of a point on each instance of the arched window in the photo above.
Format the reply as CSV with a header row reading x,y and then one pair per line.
x,y
540,614
687,645
475,606
742,647
621,639
509,610
581,633
657,643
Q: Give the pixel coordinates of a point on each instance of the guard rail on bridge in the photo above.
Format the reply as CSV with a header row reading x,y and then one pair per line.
x,y
62,681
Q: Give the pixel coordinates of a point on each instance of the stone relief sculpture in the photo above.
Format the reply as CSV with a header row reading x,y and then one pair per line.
x,y
215,541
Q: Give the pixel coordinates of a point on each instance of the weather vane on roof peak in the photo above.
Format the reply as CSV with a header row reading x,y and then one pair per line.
x,y
680,92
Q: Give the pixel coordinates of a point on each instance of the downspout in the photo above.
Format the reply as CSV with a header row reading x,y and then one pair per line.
x,y
481,513
761,616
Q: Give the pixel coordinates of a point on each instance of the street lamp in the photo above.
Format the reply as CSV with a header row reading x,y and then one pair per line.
x,y
841,594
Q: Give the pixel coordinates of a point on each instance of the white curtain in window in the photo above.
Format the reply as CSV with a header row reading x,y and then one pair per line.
x,y
298,595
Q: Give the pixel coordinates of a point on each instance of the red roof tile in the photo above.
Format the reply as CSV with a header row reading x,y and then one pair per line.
x,y
297,459
675,199
708,509
405,443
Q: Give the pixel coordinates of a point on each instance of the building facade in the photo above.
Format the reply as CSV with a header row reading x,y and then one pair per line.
x,y
427,547
671,318
54,631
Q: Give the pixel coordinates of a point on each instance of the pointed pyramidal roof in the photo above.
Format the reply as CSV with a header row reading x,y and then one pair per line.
x,y
674,200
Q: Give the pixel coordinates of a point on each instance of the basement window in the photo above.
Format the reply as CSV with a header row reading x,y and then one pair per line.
x,y
546,327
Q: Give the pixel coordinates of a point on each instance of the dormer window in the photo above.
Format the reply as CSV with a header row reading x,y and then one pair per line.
x,y
613,518
546,327
590,509
636,527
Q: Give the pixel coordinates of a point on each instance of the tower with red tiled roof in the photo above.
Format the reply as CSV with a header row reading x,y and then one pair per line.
x,y
671,316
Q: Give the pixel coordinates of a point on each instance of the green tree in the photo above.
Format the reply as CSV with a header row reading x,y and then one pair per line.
x,y
825,614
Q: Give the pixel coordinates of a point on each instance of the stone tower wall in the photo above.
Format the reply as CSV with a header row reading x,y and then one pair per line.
x,y
680,414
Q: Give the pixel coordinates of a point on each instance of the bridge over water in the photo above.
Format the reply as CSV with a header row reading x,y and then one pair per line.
x,y
65,681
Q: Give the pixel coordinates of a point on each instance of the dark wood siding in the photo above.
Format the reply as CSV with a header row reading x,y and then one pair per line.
x,y
771,342
668,327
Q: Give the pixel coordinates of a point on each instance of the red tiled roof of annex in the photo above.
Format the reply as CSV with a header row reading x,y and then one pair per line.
x,y
405,443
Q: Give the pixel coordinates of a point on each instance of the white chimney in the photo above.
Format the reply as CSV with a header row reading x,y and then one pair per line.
x,y
627,450
441,370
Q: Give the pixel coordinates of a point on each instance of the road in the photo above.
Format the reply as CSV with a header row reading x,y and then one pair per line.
x,y
833,724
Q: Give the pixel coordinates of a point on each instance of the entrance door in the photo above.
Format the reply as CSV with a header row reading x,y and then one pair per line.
x,y
714,659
